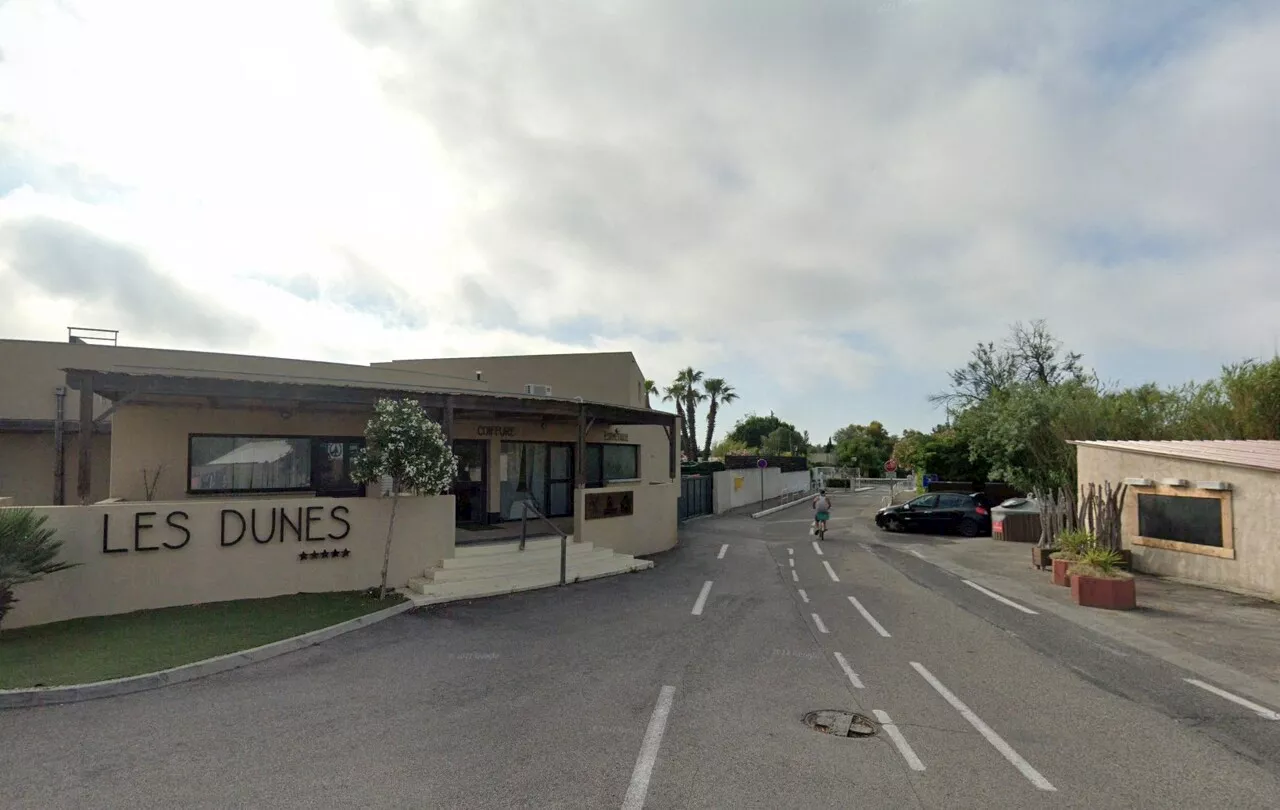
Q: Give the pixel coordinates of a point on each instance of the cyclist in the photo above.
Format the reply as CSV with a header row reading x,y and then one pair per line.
x,y
822,510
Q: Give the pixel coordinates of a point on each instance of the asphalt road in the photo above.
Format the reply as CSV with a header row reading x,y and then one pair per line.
x,y
658,690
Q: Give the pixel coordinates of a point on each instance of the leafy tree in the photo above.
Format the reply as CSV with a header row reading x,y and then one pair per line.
x,y
729,446
1029,354
785,441
752,430
676,393
28,552
718,393
402,443
866,446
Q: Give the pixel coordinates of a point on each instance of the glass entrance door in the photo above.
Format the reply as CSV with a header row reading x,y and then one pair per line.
x,y
538,472
469,488
560,480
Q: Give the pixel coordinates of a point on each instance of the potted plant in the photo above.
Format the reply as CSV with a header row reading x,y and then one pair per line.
x,y
1097,581
1041,556
1072,547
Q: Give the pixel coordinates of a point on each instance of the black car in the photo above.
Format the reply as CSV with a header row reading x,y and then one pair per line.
x,y
938,512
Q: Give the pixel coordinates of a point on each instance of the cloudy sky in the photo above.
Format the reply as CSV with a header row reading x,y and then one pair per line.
x,y
826,202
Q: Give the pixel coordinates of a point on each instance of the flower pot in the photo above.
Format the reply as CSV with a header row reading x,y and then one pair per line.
x,y
1040,557
1111,594
1060,575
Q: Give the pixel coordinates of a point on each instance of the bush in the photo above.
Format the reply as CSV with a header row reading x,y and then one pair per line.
x,y
1100,562
702,467
28,552
1074,545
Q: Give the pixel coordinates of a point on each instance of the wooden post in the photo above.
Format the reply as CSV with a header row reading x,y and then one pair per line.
x,y
448,420
580,455
85,446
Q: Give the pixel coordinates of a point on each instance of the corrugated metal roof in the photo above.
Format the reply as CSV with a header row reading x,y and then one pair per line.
x,y
1255,454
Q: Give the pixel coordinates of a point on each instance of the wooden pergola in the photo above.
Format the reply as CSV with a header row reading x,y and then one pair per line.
x,y
442,405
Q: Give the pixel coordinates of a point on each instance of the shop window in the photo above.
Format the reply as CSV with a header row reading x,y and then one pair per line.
x,y
271,464
612,462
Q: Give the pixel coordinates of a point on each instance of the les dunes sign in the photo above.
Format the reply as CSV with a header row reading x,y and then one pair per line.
x,y
151,531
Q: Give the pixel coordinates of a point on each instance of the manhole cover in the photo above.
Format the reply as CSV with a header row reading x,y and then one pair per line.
x,y
840,723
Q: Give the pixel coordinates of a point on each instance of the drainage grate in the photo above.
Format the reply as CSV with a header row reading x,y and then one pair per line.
x,y
840,723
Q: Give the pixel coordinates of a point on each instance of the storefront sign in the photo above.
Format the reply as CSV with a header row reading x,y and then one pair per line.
x,y
496,431
609,504
615,436
150,532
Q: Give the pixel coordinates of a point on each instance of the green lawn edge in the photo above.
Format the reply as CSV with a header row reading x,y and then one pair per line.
x,y
102,648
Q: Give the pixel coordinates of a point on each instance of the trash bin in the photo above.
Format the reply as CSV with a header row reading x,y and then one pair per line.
x,y
1016,520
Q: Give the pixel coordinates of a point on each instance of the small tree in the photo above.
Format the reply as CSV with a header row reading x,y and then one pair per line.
x,y
28,551
403,444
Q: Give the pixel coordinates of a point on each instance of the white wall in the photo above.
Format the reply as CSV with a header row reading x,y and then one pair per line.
x,y
735,489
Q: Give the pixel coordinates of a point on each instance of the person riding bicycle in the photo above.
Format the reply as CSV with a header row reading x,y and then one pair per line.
x,y
822,510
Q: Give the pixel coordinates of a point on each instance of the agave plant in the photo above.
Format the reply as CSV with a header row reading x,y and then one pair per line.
x,y
1099,561
28,552
1073,545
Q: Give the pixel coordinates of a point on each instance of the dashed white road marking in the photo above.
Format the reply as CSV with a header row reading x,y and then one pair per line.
x,y
804,596
649,750
871,620
899,741
918,554
999,598
723,549
831,571
817,620
702,598
985,730
818,548
794,576
1261,711
848,671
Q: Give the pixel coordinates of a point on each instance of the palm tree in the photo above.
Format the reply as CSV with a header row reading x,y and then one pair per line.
x,y
690,379
719,393
650,388
676,393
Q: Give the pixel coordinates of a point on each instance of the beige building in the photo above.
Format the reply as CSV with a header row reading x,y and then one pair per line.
x,y
1203,511
173,424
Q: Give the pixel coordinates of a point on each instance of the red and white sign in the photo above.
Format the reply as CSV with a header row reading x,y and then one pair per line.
x,y
890,465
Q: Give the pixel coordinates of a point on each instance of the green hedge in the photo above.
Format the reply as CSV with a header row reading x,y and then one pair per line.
x,y
701,467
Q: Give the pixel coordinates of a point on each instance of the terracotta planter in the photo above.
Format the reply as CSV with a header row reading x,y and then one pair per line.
x,y
1040,557
1060,575
1112,594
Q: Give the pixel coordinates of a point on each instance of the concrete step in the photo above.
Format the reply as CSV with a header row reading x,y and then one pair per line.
x,y
424,591
503,546
514,567
514,553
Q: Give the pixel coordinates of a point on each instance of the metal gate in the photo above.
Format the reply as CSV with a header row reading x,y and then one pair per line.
x,y
695,496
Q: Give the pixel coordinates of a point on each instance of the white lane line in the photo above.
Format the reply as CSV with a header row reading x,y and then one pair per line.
x,y
792,560
822,628
702,598
818,548
1261,711
899,741
723,549
999,598
804,595
649,750
830,571
848,670
918,554
995,739
794,576
871,620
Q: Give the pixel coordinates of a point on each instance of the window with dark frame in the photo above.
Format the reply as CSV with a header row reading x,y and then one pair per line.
x,y
612,462
1180,518
249,464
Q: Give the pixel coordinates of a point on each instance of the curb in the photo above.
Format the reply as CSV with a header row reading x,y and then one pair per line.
x,y
75,693
786,505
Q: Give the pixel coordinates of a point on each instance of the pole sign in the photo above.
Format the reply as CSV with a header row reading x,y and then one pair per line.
x,y
890,465
762,463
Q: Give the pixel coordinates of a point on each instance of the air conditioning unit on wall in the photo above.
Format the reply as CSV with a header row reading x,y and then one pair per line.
x,y
538,390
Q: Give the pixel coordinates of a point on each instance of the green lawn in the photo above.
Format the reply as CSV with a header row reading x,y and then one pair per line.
x,y
96,649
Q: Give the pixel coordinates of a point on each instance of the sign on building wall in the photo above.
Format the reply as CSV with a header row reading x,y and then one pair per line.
x,y
609,504
615,436
146,531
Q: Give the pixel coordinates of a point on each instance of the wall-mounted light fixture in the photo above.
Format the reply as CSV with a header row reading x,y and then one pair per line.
x,y
1219,486
1139,482
1175,482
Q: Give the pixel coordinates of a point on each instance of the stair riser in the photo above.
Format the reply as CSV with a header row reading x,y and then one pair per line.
x,y
573,550
500,548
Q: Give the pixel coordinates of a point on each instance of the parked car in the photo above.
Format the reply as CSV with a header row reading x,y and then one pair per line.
x,y
938,512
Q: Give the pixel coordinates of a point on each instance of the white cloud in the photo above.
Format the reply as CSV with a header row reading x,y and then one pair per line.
x,y
822,197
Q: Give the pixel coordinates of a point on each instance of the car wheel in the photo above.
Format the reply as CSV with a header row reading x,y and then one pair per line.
x,y
893,525
968,527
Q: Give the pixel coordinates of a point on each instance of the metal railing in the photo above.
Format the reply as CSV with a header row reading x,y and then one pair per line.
x,y
528,506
